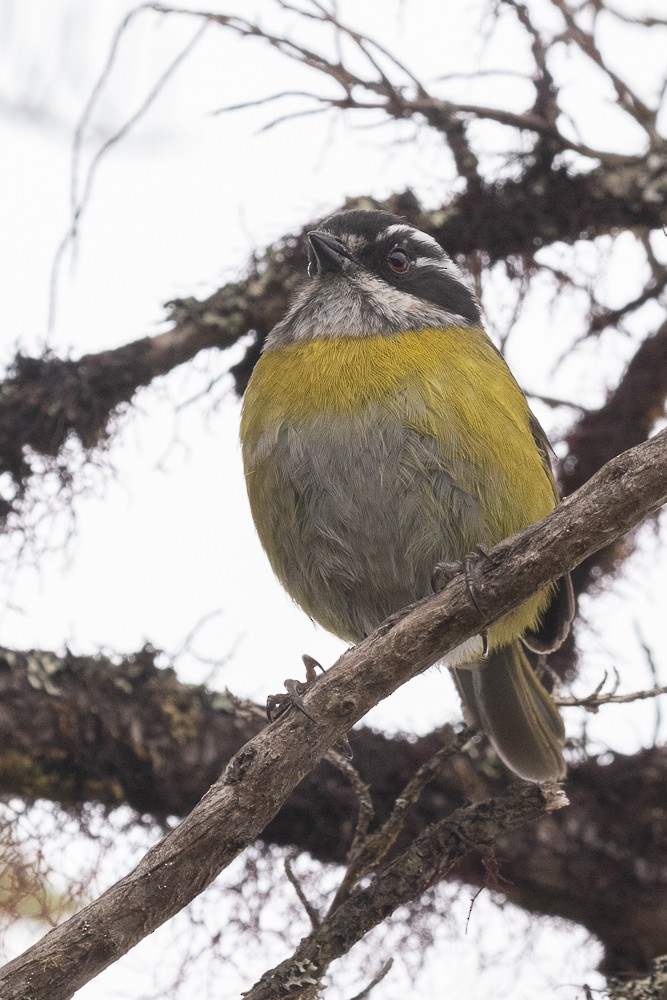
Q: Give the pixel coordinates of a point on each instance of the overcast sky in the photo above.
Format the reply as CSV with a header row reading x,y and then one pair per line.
x,y
164,538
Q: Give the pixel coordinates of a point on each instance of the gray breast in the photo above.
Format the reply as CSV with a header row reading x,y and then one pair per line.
x,y
361,508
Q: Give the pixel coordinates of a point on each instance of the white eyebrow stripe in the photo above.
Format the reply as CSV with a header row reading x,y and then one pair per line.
x,y
398,227
426,241
447,265
416,235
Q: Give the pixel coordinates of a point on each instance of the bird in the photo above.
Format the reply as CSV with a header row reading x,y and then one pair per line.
x,y
382,436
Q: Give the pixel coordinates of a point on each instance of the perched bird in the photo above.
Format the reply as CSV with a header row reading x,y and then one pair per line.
x,y
382,434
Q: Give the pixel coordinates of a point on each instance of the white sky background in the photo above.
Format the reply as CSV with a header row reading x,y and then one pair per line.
x,y
177,208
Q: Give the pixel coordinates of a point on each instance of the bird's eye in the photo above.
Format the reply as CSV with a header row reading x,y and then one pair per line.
x,y
398,260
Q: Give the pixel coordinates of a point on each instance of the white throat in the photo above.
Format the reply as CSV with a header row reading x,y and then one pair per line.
x,y
357,305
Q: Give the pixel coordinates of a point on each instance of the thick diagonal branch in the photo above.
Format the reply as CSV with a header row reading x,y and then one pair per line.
x,y
89,729
258,780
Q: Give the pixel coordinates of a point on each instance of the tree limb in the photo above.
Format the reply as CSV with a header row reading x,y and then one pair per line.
x,y
436,851
88,729
249,793
44,402
626,418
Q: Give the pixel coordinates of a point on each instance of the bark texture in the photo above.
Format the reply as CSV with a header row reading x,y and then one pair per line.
x,y
47,402
256,782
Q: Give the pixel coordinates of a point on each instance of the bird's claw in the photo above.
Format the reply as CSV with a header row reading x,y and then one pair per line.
x,y
278,704
444,573
296,690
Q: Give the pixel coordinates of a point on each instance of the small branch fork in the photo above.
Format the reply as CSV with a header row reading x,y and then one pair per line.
x,y
356,910
390,86
593,701
366,853
369,850
251,790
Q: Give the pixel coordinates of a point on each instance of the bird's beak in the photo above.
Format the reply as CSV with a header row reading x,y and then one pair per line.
x,y
328,255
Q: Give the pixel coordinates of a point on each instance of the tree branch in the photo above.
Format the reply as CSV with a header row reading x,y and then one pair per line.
x,y
239,805
46,401
436,851
79,729
88,729
625,419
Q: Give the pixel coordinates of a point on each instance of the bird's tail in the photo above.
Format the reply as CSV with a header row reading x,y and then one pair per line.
x,y
504,697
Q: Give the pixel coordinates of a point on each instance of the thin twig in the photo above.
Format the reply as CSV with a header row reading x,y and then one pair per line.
x,y
553,402
593,701
648,653
364,816
313,915
258,102
80,204
380,842
374,981
628,99
546,103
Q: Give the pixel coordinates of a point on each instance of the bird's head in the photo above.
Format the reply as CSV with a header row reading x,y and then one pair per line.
x,y
371,273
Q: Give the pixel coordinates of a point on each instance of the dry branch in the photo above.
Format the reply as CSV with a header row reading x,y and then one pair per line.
x,y
623,421
257,781
436,851
87,729
44,402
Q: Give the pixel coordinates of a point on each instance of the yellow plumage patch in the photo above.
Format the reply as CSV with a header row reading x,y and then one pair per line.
x,y
474,407
449,385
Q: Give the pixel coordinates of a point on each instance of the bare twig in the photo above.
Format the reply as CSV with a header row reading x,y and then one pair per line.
x,y
313,915
364,42
80,202
553,402
366,992
364,816
648,653
435,851
601,317
258,102
593,701
546,102
378,844
628,99
646,22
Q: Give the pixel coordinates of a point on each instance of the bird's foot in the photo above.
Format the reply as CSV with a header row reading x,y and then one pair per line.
x,y
278,704
444,573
